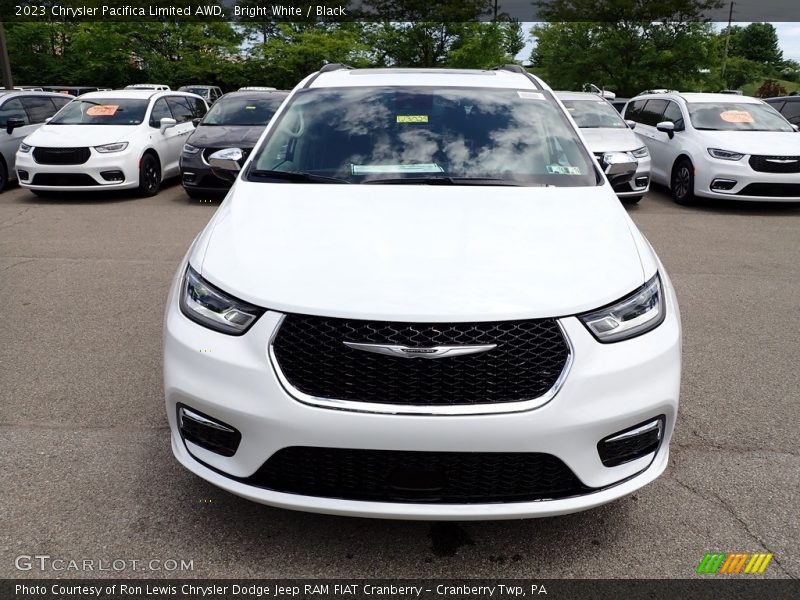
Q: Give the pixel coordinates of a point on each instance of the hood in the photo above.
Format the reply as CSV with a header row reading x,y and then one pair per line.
x,y
226,136
425,253
770,143
608,139
66,136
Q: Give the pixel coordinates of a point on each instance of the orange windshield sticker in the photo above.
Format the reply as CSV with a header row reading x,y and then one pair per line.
x,y
102,110
736,116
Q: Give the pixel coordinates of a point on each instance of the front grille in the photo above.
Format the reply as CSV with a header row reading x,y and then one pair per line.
x,y
765,164
529,357
426,477
63,179
61,156
771,190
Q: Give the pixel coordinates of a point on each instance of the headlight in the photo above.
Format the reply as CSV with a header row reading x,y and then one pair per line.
x,y
24,148
725,154
640,152
106,148
634,315
189,149
211,307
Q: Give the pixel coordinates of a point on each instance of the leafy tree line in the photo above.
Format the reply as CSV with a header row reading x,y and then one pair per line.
x,y
632,45
115,54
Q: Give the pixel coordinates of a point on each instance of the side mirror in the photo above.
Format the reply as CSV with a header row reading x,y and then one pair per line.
x,y
667,127
12,124
48,119
166,123
619,166
225,163
630,124
196,122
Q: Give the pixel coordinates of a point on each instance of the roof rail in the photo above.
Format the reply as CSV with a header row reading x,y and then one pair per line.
x,y
334,67
512,68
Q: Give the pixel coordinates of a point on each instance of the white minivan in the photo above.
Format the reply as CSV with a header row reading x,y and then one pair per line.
x,y
718,146
121,139
422,299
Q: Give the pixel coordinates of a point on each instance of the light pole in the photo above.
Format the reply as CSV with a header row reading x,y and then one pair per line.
x,y
5,65
727,42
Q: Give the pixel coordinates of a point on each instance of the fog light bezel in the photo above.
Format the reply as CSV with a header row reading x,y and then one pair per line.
x,y
204,420
715,184
641,429
113,176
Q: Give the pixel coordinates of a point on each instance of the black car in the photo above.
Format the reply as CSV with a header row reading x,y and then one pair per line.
x,y
236,120
788,106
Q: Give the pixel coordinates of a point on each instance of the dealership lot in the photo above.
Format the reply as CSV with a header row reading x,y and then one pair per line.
x,y
87,471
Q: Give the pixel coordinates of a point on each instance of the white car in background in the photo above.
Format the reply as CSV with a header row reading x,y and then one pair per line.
x,y
606,131
422,299
121,139
718,146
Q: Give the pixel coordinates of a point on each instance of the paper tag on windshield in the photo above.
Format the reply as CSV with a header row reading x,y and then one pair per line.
x,y
418,168
102,110
736,116
412,118
563,170
531,95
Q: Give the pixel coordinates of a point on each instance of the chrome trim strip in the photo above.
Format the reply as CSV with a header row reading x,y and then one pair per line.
x,y
429,353
656,424
415,409
186,413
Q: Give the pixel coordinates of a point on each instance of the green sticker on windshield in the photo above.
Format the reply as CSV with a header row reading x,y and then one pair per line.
x,y
250,107
563,170
412,118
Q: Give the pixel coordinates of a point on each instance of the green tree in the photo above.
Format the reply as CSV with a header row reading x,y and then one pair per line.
x,y
757,42
483,45
624,45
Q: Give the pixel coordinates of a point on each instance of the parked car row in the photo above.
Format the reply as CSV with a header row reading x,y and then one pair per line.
x,y
720,146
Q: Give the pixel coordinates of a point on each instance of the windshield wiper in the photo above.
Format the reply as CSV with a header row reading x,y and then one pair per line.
x,y
294,176
447,180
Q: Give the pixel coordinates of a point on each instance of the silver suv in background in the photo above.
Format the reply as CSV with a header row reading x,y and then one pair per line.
x,y
22,113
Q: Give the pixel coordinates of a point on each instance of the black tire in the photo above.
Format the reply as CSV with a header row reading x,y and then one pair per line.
x,y
631,199
681,182
3,176
149,176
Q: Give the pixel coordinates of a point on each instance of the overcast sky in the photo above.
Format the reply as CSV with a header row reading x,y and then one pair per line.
x,y
788,38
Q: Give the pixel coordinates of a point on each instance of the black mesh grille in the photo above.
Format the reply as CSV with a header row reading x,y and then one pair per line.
x,y
766,164
61,156
526,363
429,477
771,190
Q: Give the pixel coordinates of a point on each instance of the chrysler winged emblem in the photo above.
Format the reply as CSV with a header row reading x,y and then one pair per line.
x,y
411,352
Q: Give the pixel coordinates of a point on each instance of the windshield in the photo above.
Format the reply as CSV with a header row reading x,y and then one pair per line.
x,y
202,92
736,116
232,110
363,134
592,114
102,111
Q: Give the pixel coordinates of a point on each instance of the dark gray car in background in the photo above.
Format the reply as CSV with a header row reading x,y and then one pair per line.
x,y
236,120
22,113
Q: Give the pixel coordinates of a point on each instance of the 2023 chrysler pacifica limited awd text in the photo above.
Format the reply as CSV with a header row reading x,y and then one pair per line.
x,y
422,299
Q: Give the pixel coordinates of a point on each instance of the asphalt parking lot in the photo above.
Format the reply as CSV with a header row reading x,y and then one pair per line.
x,y
87,470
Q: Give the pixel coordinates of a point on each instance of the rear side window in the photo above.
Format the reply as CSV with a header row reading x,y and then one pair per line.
x,y
59,101
652,111
181,110
12,109
634,110
199,107
38,108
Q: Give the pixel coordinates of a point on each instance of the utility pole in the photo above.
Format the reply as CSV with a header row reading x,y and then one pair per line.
x,y
5,65
727,43
495,10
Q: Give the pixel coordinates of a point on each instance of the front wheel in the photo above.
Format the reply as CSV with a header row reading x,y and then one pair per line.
x,y
149,176
682,182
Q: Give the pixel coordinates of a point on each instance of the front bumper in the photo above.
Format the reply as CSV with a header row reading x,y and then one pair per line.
x,y
196,175
126,162
751,185
609,388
